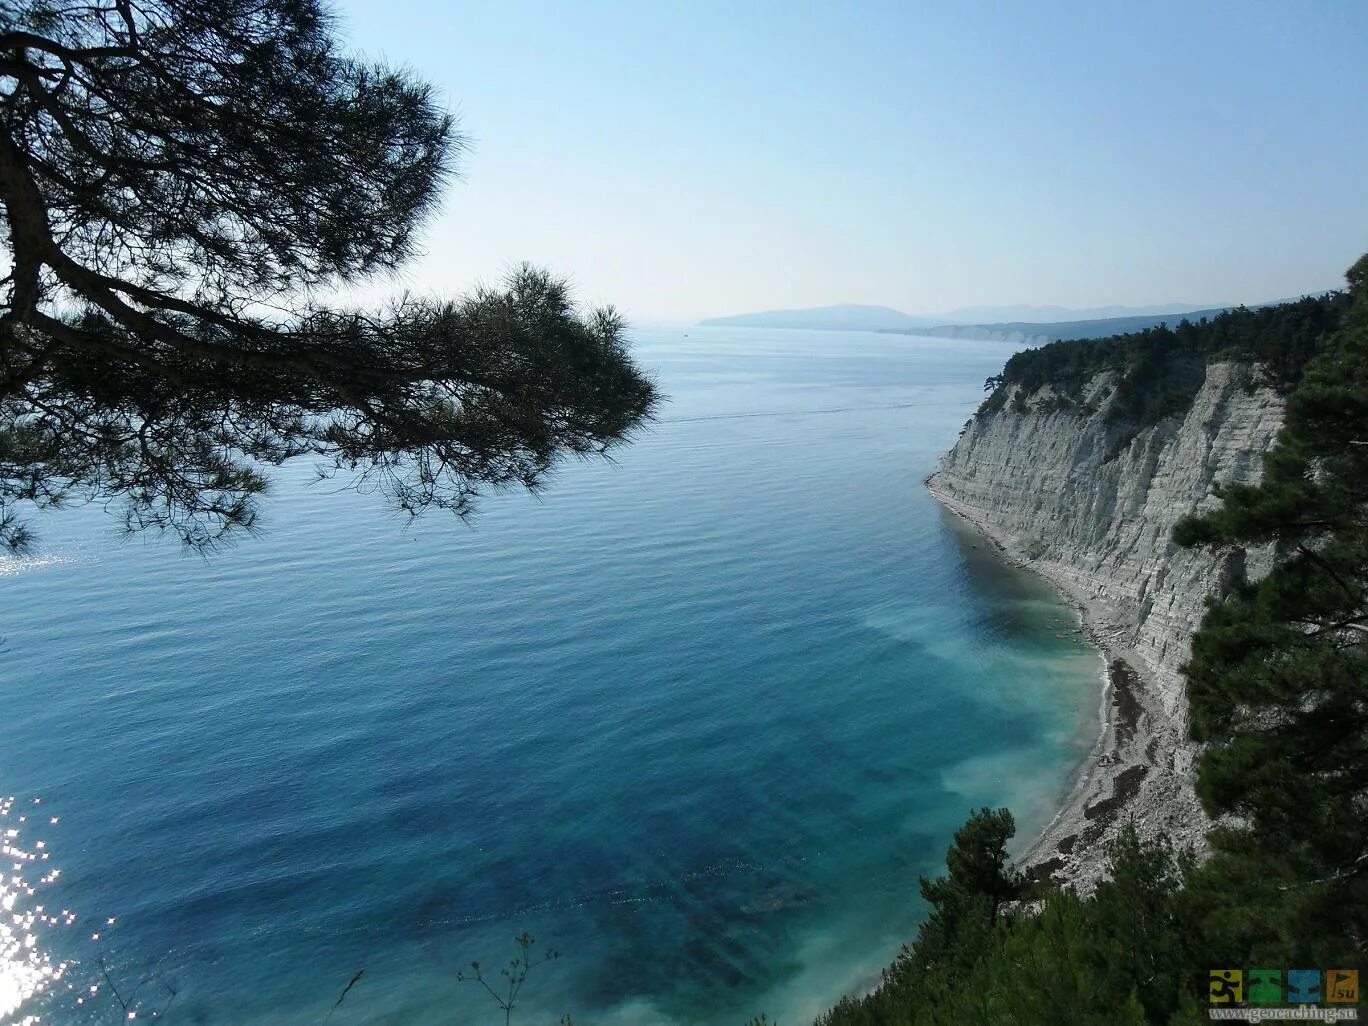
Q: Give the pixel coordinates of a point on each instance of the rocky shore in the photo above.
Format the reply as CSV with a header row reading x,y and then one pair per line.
x,y
1138,769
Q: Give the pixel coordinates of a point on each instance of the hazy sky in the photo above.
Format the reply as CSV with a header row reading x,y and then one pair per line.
x,y
697,159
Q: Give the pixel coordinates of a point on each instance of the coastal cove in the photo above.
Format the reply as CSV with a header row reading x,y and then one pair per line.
x,y
1137,745
696,719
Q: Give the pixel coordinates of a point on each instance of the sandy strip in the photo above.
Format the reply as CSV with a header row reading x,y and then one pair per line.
x,y
1138,769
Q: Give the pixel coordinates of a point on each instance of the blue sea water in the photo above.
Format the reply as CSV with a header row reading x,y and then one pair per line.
x,y
696,719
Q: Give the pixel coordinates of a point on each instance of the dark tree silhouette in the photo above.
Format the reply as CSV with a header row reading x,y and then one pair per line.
x,y
980,879
181,183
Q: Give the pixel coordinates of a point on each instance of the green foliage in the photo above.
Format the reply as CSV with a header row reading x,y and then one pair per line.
x,y
1157,371
980,879
1118,957
1054,404
180,184
1278,681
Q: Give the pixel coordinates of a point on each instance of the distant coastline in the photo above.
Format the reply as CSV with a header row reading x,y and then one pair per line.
x,y
1034,325
1033,333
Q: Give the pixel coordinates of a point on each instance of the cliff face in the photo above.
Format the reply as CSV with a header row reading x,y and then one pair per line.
x,y
1103,525
1091,503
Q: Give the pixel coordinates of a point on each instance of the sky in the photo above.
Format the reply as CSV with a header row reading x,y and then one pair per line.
x,y
688,160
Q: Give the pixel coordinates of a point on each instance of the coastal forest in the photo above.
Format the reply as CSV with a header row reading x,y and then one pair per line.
x,y
1278,695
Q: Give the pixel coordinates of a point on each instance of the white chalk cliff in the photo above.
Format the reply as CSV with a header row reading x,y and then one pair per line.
x,y
1071,494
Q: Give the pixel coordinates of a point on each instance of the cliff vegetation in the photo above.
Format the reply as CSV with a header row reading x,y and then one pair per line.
x,y
1154,373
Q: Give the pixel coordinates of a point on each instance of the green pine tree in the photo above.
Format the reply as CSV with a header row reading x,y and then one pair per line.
x,y
1278,681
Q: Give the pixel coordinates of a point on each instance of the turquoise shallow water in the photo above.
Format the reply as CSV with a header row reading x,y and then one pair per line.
x,y
697,719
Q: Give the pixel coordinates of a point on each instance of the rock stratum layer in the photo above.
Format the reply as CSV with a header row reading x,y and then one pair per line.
x,y
1090,502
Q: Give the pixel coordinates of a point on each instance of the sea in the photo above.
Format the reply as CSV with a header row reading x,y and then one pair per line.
x,y
693,721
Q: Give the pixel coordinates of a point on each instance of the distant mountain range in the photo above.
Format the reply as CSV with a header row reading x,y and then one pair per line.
x,y
851,317
1037,333
1064,314
846,317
